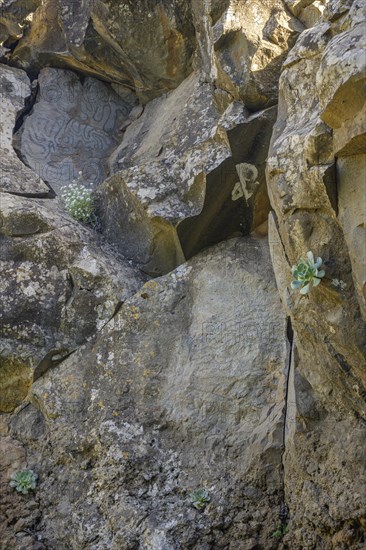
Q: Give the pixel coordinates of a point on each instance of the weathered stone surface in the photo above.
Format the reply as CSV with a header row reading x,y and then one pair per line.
x,y
318,208
324,467
217,9
314,13
73,127
310,12
251,41
351,173
16,178
205,60
144,48
57,288
184,388
337,8
324,464
297,5
3,52
150,49
341,82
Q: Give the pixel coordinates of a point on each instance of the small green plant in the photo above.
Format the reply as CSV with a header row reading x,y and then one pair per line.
x,y
280,531
199,499
307,272
24,481
79,202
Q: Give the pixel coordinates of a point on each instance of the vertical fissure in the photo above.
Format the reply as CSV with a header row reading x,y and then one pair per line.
x,y
283,515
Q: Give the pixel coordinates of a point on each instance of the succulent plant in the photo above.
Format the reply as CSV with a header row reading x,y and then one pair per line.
x,y
306,273
200,498
24,481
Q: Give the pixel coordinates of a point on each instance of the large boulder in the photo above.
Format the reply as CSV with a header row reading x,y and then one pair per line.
x,y
316,178
183,389
58,286
146,49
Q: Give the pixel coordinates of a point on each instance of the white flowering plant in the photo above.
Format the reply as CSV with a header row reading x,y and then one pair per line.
x,y
79,202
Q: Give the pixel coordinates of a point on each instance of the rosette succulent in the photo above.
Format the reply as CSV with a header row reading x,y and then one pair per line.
x,y
24,481
306,273
200,498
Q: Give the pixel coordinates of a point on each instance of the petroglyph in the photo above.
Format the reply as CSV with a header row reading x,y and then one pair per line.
x,y
248,183
72,128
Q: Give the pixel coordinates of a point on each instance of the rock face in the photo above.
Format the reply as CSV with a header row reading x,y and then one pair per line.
x,y
183,167
14,176
236,199
184,160
72,128
352,216
57,288
181,390
178,157
124,393
316,178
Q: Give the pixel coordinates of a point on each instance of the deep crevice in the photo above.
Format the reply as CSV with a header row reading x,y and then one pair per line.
x,y
48,362
283,515
220,218
28,106
11,43
50,195
225,215
331,186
